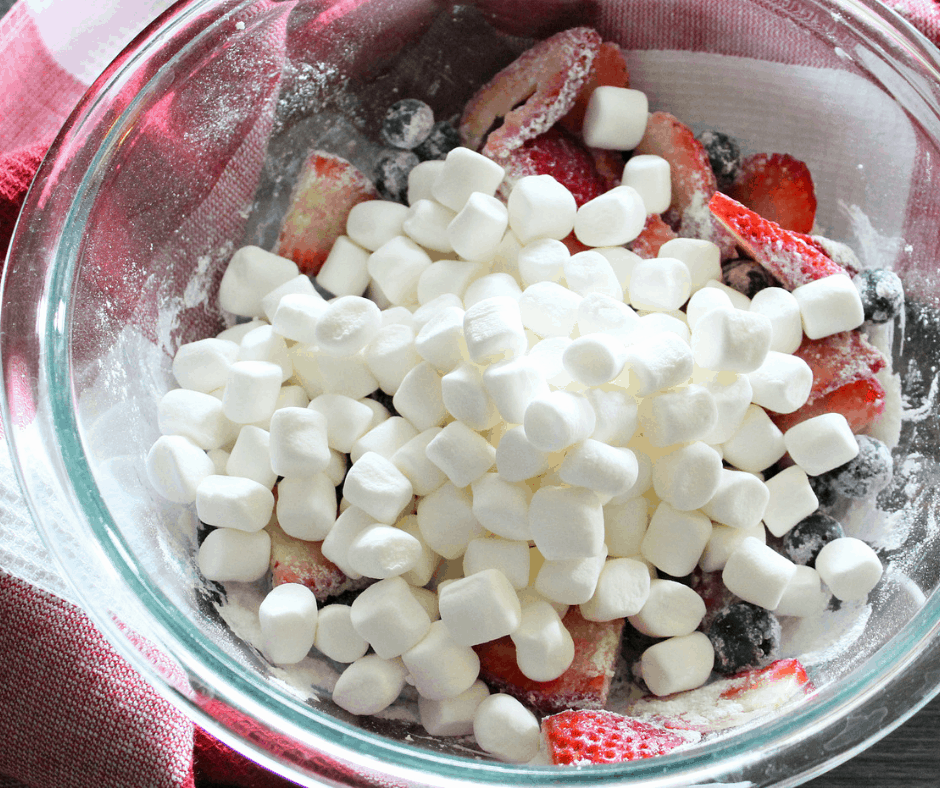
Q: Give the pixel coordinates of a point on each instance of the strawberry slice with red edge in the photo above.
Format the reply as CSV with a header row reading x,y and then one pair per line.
x,y
531,94
779,187
862,402
585,736
785,254
609,69
327,189
653,235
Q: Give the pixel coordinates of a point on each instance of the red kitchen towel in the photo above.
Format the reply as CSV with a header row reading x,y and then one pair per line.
x,y
72,712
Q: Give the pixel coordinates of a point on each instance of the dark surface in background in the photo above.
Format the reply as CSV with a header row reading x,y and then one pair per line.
x,y
907,758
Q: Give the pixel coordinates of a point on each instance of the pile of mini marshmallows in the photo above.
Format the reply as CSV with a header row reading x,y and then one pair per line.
x,y
563,429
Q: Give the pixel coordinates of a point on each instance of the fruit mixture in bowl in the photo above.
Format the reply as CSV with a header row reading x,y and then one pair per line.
x,y
550,427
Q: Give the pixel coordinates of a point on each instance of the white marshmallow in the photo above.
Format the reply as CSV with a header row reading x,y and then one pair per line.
x,y
659,362
506,729
477,229
703,301
702,258
251,456
509,557
612,219
347,325
677,416
480,608
385,439
566,522
616,416
377,487
512,384
336,470
651,177
251,391
544,647
306,506
263,344
335,637
369,685
382,551
441,342
570,581
849,567
452,716
724,541
502,507
492,285
622,590
644,476
411,459
652,323
558,420
176,467
678,664
540,207
396,267
290,396
466,399
542,260
219,459
688,477
391,355
305,359
782,383
388,616
599,313
659,285
590,272
829,305
739,501
821,444
335,547
549,309
439,666
288,620
670,609
423,570
791,499
346,419
615,118
757,573
234,503
783,311
445,517
345,272
372,223
421,180
348,375
493,330
196,416
428,310
227,554
465,172
731,340
674,539
251,274
608,470
517,459
298,443
419,398
732,394
594,359
203,365
625,526
756,444
738,299
804,595
445,277
299,285
237,332
461,453
426,224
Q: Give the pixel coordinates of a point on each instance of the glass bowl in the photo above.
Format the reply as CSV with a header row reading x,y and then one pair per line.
x,y
186,148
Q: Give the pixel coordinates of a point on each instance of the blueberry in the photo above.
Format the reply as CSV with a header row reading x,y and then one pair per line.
x,y
441,141
407,124
392,169
802,543
724,155
882,294
747,277
869,472
744,637
823,490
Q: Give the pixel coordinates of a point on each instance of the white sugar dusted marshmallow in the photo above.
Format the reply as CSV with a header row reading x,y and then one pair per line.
x,y
396,267
463,455
822,443
203,365
570,581
491,285
506,729
299,285
448,277
674,539
421,180
335,636
732,394
513,384
783,311
234,502
251,456
705,300
622,590
237,332
517,459
739,501
251,391
612,219
509,557
391,355
346,419
540,207
615,118
677,416
542,260
791,499
677,664
731,340
439,666
412,460
452,716
590,272
385,439
263,344
445,517
441,342
651,177
659,285
369,685
423,570
348,375
480,608
227,554
350,523
738,299
659,362
347,325
670,609
566,522
297,315
615,416
756,444
299,444
625,526
688,477
306,506
782,383
288,620
372,223
595,359
757,573
196,416
501,506
251,274
382,551
428,310
599,313
493,330
176,467
466,399
477,229
419,398
724,541
829,305
702,258
465,172
608,470
849,567
426,224
804,595
549,309
346,268
544,647
388,616
558,420
377,487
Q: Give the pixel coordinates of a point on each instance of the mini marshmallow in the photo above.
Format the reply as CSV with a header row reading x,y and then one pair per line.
x,y
705,300
644,476
204,365
227,554
731,340
388,616
783,311
674,539
348,375
542,260
821,444
391,355
441,342
369,685
829,305
615,118
306,506
263,344
196,416
445,517
251,274
423,570
589,272
566,522
426,224
290,396
493,330
428,310
466,399
756,444
651,177
782,383
702,258
335,637
724,541
540,207
347,325
502,507
625,526
346,268
385,439
849,567
477,229
480,608
615,415
509,557
299,444
452,716
411,459
335,547
738,299
396,267
448,277
299,285
379,412
346,419
677,416
465,172
757,573
670,609
439,666
421,180
251,391
612,219
506,729
678,664
791,499
549,309
659,285
571,581
622,261
463,455
176,467
377,487
251,456
219,459
419,397
652,323
512,384
491,285
288,620
622,590
688,477
599,313
544,647
306,362
804,595
659,362
517,459
558,420
234,503
739,501
732,394
594,359
382,551
335,471
608,470
372,223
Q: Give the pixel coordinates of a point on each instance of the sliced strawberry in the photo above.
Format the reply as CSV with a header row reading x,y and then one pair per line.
x,y
609,165
561,155
838,360
328,187
545,79
573,244
778,675
785,254
779,187
609,68
654,234
577,737
585,685
862,402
